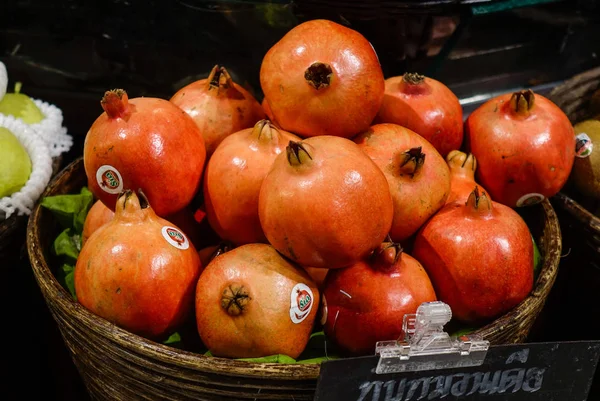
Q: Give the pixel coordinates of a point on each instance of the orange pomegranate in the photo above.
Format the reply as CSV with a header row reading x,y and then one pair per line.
x,y
418,177
251,302
233,178
324,203
138,271
97,216
425,106
367,301
322,78
462,176
218,106
144,143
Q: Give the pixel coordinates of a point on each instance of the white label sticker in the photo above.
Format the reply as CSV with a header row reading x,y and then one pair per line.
x,y
175,237
530,199
109,179
301,302
583,145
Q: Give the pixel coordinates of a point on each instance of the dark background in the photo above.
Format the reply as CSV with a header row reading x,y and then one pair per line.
x,y
68,52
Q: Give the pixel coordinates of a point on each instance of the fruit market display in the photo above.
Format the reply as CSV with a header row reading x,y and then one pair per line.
x,y
263,228
31,134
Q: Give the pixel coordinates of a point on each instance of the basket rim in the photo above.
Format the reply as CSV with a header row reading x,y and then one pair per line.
x,y
225,366
576,80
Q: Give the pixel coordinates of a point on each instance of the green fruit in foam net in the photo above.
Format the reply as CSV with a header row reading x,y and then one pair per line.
x,y
21,106
15,164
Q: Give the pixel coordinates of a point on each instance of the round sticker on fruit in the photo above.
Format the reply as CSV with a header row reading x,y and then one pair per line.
x,y
175,237
109,179
301,302
530,199
583,145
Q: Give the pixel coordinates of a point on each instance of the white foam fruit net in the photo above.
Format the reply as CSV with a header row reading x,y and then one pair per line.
x,y
23,201
51,129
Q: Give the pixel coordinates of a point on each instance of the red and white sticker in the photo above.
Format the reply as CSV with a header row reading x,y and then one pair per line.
x,y
583,145
530,199
301,302
109,179
175,237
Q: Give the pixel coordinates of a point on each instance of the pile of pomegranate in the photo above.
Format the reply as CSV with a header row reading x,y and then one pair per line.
x,y
341,203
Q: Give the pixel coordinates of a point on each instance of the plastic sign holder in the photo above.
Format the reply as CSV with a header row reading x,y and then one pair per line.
x,y
427,346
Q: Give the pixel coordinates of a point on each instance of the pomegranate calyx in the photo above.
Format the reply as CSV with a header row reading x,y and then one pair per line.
x,y
116,103
479,202
318,75
413,78
387,255
461,161
412,160
263,131
219,82
234,299
522,102
297,154
143,199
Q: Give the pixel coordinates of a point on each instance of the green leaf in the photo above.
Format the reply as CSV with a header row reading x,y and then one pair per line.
x,y
208,353
66,278
67,244
317,360
174,340
463,331
70,210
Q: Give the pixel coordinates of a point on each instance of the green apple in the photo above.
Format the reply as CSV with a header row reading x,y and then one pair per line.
x,y
21,106
3,80
15,164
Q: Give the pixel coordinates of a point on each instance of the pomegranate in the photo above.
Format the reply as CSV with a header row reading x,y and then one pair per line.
x,y
418,177
318,275
97,216
367,301
324,203
425,106
210,252
219,107
233,178
251,302
525,147
479,256
462,176
138,271
267,109
322,78
145,143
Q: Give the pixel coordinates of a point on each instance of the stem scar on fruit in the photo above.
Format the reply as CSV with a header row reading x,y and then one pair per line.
x,y
412,160
319,75
234,299
522,102
297,153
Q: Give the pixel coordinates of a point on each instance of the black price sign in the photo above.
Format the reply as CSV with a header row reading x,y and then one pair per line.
x,y
529,372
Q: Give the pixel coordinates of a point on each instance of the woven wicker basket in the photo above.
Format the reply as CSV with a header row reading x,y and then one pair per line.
x,y
118,365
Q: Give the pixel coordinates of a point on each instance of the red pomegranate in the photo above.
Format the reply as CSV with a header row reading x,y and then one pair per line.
x,y
418,177
462,176
425,106
251,302
138,271
367,301
479,256
322,78
525,147
218,106
97,216
324,203
233,178
145,143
